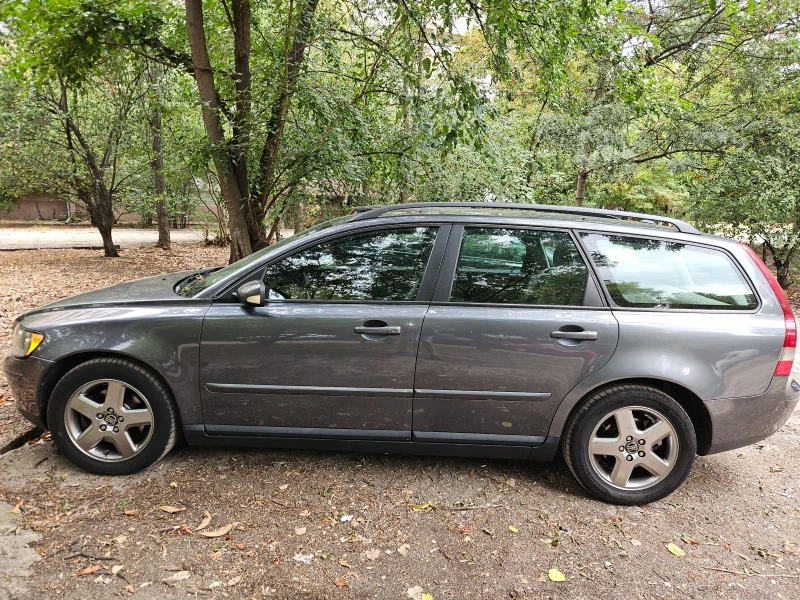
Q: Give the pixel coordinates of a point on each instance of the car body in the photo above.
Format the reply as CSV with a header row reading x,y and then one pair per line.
x,y
448,329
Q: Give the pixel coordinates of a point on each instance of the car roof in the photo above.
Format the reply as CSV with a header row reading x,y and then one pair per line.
x,y
539,212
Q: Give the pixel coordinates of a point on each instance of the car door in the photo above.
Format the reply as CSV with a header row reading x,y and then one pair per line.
x,y
516,321
332,352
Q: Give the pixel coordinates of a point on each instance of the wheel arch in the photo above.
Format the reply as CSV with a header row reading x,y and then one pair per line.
x,y
689,401
65,364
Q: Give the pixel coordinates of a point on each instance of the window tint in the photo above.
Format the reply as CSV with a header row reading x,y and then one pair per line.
x,y
648,273
519,266
377,265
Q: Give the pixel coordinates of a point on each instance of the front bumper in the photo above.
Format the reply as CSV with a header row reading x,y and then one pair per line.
x,y
738,422
24,376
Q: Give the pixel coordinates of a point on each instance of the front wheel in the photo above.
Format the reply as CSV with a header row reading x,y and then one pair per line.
x,y
111,416
630,444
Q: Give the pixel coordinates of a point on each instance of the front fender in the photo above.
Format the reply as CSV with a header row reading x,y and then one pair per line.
x,y
162,336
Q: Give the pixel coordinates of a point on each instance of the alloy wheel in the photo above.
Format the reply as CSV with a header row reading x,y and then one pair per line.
x,y
633,448
109,420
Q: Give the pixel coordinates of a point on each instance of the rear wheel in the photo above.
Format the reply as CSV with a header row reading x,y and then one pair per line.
x,y
630,444
112,416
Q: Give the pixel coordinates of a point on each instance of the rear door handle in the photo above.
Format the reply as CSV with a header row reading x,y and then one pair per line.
x,y
386,330
574,335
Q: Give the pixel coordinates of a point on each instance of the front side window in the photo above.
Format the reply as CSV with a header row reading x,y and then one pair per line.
x,y
519,266
376,265
651,273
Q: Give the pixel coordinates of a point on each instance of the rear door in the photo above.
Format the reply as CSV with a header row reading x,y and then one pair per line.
x,y
516,321
332,352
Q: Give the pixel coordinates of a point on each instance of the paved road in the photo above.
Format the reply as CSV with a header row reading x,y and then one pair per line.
x,y
32,238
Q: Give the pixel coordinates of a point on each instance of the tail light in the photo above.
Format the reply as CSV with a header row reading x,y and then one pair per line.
x,y
784,366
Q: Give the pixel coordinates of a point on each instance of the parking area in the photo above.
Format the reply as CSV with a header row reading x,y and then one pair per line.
x,y
246,523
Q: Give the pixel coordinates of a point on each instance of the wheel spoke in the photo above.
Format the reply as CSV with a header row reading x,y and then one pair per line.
x,y
604,446
656,433
622,472
85,406
654,464
626,423
124,445
90,437
115,396
134,418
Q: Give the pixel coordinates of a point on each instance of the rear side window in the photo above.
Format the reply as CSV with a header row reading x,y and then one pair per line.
x,y
377,265
650,273
519,266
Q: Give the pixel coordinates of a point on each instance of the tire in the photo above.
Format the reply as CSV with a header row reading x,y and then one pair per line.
x,y
112,417
618,469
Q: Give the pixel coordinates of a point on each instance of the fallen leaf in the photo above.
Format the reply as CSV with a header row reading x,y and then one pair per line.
x,y
542,578
116,569
304,558
234,581
129,589
299,530
417,593
305,513
676,550
172,509
205,522
403,550
283,486
16,509
372,553
555,575
179,576
340,582
217,532
346,518
688,540
173,484
427,507
87,571
129,513
513,529
344,563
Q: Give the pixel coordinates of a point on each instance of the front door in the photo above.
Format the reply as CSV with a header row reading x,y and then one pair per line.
x,y
332,353
516,322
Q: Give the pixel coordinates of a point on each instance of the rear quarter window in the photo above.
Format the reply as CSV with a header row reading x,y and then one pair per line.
x,y
652,273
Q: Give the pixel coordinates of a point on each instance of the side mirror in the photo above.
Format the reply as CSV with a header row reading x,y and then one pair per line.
x,y
252,293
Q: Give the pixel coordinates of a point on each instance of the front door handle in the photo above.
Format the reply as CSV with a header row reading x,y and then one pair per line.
x,y
384,330
574,335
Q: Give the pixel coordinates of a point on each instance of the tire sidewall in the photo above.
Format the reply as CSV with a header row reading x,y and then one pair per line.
x,y
135,376
647,398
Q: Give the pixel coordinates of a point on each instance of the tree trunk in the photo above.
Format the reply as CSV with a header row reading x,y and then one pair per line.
x,y
157,164
242,81
782,268
103,217
263,180
209,98
580,190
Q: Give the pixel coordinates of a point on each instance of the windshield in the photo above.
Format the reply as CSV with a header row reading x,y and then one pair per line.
x,y
211,278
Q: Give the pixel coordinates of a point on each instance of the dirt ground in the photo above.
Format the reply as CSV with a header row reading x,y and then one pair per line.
x,y
288,524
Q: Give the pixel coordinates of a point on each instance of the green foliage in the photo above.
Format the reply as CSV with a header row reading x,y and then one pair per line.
x,y
679,107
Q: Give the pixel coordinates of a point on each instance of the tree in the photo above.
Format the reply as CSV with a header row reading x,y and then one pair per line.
x,y
154,121
73,141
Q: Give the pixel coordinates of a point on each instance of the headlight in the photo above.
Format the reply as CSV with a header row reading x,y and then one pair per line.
x,y
24,341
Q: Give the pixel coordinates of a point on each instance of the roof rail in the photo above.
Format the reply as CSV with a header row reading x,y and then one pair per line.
x,y
373,212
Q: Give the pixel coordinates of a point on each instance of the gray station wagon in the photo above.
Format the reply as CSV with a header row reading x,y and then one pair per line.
x,y
631,342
